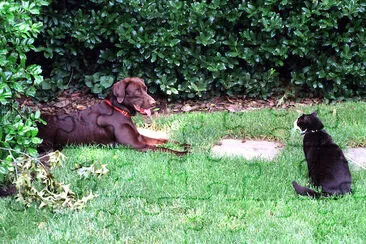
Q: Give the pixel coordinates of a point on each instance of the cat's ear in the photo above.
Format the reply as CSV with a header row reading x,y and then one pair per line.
x,y
315,113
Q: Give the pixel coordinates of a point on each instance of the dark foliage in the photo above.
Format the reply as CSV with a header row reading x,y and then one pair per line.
x,y
199,48
17,126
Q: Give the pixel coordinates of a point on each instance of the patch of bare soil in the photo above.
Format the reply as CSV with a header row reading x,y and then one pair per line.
x,y
68,102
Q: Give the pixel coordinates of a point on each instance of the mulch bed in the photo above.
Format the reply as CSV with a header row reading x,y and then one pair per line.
x,y
68,102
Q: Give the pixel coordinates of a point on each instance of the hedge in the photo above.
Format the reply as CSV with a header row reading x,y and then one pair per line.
x,y
187,49
17,126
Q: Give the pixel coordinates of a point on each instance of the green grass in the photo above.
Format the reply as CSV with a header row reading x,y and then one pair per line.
x,y
158,197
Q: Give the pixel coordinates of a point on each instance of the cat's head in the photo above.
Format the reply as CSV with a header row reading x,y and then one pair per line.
x,y
308,122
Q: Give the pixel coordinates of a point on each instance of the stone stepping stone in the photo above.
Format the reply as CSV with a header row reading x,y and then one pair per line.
x,y
356,157
248,149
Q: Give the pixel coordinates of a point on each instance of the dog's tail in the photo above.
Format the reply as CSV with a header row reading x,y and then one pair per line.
x,y
304,191
7,190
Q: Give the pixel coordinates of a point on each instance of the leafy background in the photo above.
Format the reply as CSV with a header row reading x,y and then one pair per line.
x,y
190,49
18,31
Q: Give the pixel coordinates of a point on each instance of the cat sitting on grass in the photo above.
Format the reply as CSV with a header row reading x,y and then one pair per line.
x,y
327,165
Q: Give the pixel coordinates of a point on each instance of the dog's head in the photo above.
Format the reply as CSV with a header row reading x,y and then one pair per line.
x,y
132,93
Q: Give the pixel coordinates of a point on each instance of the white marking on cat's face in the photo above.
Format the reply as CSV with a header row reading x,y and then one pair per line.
x,y
296,127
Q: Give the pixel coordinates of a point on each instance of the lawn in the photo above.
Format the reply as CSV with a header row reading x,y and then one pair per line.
x,y
158,197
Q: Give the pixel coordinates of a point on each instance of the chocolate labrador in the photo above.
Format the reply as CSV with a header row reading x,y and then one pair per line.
x,y
108,122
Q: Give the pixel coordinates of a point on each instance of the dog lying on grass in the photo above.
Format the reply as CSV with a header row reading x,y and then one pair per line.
x,y
108,122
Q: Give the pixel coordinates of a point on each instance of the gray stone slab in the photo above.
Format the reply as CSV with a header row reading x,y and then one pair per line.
x,y
356,157
249,149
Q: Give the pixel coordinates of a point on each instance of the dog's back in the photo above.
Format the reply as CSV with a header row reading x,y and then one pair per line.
x,y
76,128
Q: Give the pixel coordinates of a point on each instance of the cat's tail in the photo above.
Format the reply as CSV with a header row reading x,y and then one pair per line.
x,y
304,191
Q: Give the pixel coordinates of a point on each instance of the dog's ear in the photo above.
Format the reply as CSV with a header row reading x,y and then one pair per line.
x,y
119,90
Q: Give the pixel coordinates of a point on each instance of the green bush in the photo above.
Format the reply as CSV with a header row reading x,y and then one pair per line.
x,y
17,34
198,48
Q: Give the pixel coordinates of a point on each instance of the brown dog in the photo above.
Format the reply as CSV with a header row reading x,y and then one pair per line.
x,y
106,123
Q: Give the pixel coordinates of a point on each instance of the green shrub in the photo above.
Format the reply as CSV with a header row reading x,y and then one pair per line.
x,y
199,48
17,126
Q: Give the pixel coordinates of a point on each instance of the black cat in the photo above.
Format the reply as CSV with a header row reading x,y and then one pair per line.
x,y
328,168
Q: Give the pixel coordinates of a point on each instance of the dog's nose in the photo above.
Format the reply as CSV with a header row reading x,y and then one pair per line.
x,y
152,102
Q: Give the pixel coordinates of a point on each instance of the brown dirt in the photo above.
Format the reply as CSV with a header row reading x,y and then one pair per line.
x,y
68,102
